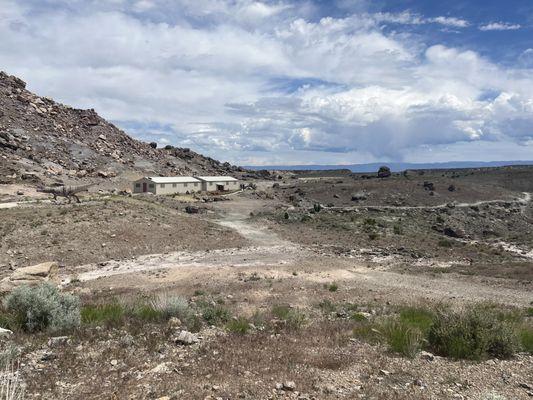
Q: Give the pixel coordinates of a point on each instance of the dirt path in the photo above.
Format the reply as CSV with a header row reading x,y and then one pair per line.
x,y
265,249
520,201
267,252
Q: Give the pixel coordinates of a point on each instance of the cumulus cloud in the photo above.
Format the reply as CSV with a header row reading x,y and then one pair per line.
x,y
499,26
264,82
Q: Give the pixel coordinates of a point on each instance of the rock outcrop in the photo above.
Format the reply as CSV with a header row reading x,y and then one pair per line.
x,y
42,140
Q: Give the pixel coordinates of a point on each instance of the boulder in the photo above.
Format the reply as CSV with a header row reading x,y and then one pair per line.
x,y
359,196
43,270
454,232
186,338
30,276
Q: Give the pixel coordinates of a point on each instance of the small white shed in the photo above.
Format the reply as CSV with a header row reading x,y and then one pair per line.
x,y
218,183
167,185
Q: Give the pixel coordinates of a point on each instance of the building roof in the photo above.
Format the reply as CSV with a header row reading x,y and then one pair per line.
x,y
172,179
217,178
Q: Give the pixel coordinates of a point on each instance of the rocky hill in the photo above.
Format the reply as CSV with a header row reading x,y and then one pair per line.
x,y
45,141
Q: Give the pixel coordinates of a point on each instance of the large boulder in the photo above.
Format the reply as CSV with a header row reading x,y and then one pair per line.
x,y
31,276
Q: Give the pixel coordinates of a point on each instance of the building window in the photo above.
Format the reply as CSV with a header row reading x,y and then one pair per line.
x,y
210,183
137,185
195,184
162,186
151,185
185,184
174,185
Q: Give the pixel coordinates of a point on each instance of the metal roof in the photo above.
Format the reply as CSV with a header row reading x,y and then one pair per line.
x,y
173,179
217,178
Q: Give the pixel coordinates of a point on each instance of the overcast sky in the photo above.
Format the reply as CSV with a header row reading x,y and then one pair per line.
x,y
289,82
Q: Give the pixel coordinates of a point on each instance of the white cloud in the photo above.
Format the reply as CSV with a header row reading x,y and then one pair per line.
x,y
499,26
261,82
450,21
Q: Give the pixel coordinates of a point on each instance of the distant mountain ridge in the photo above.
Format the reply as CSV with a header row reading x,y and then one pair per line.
x,y
394,166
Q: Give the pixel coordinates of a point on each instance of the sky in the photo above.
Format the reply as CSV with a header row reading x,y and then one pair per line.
x,y
289,82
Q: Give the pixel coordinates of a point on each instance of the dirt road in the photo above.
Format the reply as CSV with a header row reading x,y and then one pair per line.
x,y
270,254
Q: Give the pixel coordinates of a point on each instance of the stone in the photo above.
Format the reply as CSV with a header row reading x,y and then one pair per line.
x,y
426,355
453,232
186,338
42,270
5,332
289,386
174,322
57,341
114,363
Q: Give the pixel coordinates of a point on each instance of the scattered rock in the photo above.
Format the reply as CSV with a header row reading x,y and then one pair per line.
x,y
57,341
5,332
186,338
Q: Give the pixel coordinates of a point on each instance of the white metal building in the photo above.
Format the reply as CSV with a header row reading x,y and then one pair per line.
x,y
218,183
167,185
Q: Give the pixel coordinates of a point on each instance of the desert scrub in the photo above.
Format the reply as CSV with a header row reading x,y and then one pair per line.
x,y
476,333
172,306
238,325
214,314
401,337
332,287
398,335
526,338
417,317
111,314
292,317
43,308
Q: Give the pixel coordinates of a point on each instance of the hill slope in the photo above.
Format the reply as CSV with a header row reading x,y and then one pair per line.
x,y
42,141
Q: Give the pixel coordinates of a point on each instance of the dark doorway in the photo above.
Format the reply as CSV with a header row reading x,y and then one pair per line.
x,y
145,187
220,188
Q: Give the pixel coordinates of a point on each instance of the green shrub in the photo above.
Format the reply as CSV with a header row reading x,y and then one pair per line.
x,y
445,243
526,338
239,325
294,318
358,316
529,311
317,207
327,306
109,314
402,338
43,308
333,287
369,222
398,230
147,312
474,334
419,318
215,314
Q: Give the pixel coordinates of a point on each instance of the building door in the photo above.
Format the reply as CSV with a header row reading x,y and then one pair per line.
x,y
145,187
220,188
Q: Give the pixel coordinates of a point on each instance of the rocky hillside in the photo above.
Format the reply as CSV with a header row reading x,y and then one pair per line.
x,y
44,141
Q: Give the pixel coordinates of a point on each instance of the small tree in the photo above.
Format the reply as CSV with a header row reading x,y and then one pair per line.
x,y
153,145
384,172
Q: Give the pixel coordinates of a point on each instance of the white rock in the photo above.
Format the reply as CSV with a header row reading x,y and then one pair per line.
x,y
5,332
186,338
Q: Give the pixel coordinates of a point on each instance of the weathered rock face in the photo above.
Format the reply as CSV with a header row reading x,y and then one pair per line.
x,y
31,276
52,141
